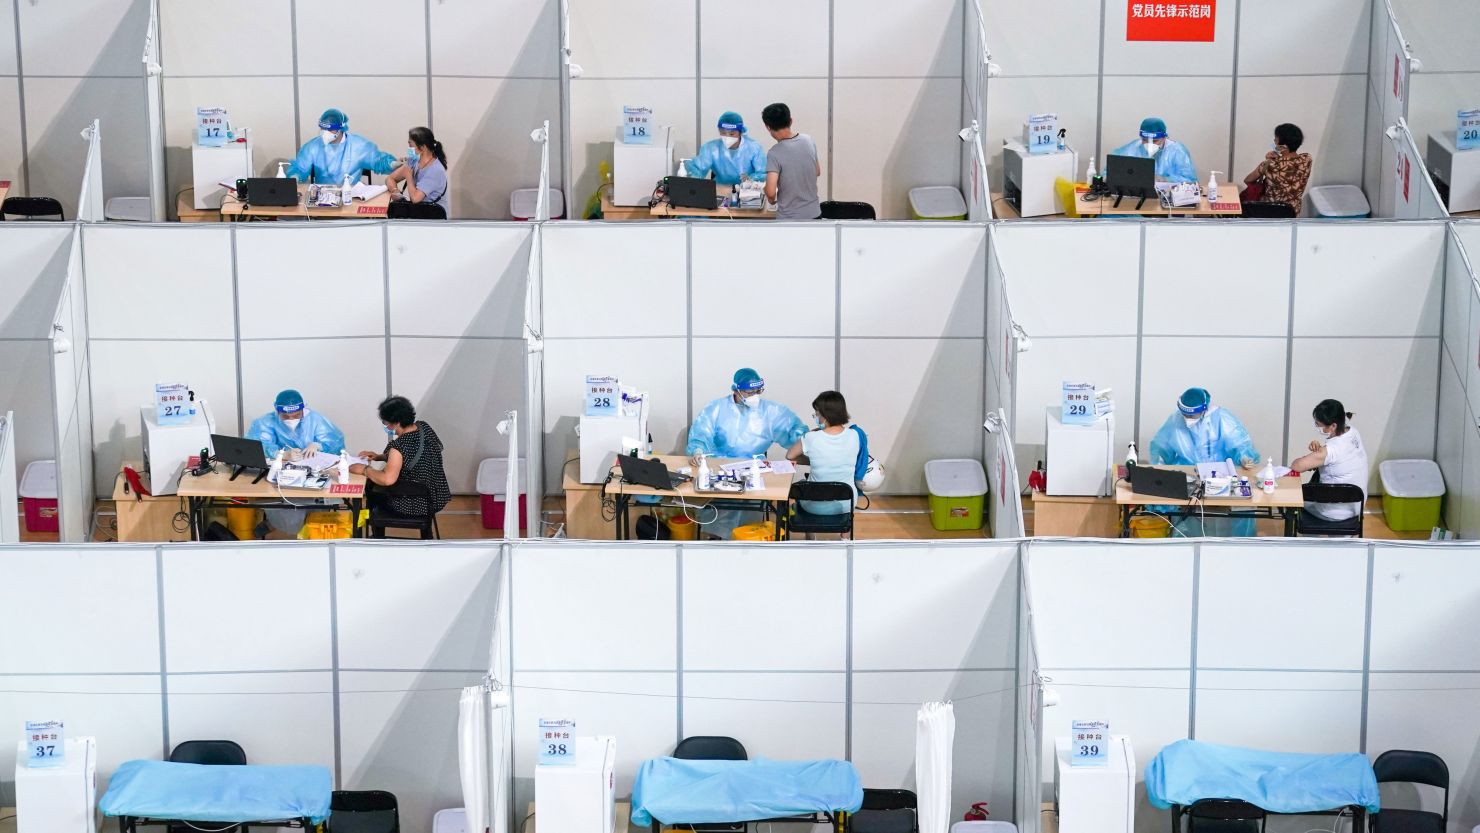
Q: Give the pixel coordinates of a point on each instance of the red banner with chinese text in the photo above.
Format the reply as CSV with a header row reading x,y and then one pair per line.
x,y
1171,20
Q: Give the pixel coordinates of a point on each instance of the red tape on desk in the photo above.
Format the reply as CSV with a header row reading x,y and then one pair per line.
x,y
1225,206
346,489
371,209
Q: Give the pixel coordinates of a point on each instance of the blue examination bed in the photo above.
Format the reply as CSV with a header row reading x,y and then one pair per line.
x,y
1277,782
672,791
153,792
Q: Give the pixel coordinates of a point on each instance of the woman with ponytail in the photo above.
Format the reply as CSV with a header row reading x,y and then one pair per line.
x,y
1338,457
424,171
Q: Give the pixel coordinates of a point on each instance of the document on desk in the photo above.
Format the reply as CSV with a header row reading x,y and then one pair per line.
x,y
772,466
322,460
361,191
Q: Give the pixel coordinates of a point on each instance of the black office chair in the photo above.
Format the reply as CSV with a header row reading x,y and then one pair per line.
x,y
408,210
207,753
1408,766
885,811
1309,524
1224,815
800,520
1268,211
834,210
363,811
712,748
383,518
31,207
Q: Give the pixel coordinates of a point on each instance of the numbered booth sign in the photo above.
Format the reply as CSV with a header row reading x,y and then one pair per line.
x,y
210,126
1043,133
1078,404
603,395
1089,743
557,742
46,744
1467,134
172,404
637,125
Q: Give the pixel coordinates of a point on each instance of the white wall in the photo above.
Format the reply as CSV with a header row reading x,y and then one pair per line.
x,y
877,85
835,307
480,73
1459,384
1442,33
1177,654
36,269
1222,99
379,323
72,404
1366,299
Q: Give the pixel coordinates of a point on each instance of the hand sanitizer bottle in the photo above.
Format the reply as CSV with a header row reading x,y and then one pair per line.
x,y
1266,477
1212,186
755,484
1089,172
276,468
282,172
345,190
704,474
343,466
1131,458
683,169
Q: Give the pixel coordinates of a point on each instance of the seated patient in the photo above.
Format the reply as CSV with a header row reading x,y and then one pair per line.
x,y
831,448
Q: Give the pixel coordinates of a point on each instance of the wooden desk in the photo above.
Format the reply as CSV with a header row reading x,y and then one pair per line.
x,y
147,519
1228,205
583,507
1073,516
186,211
216,486
1286,501
624,814
621,213
778,487
233,209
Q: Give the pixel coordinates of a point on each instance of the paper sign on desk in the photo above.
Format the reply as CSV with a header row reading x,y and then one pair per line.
x,y
351,489
1224,206
637,126
210,126
172,403
557,742
1077,405
1466,135
46,744
1043,133
378,210
1089,742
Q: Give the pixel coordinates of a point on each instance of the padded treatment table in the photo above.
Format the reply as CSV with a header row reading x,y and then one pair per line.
x,y
160,792
1285,783
682,792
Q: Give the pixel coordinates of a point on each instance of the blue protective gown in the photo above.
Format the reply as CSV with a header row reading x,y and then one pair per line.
x,y
1218,436
1173,162
728,165
726,429
315,428
327,164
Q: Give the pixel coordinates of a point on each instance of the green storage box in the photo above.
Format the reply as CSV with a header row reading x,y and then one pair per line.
x,y
937,202
958,490
1412,491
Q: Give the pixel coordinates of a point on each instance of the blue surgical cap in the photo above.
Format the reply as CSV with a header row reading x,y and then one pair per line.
x,y
746,379
1153,128
289,402
333,119
1194,401
730,120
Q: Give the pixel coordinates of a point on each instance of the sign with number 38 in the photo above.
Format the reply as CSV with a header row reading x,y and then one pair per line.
x,y
557,742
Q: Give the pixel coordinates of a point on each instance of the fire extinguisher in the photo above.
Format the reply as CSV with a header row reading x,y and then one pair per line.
x,y
1038,478
978,812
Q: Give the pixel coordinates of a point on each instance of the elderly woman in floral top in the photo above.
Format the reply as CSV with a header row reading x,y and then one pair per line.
x,y
1284,171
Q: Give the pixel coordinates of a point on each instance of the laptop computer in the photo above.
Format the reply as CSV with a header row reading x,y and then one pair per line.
x,y
1165,483
651,473
270,191
691,192
1131,176
241,453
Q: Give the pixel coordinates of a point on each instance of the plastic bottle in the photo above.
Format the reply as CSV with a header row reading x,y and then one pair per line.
x,y
1089,172
1212,186
282,172
756,483
683,169
704,473
1243,486
1266,477
276,467
345,191
343,466
1131,458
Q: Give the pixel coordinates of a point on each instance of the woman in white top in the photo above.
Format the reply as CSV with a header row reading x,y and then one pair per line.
x,y
831,448
1340,458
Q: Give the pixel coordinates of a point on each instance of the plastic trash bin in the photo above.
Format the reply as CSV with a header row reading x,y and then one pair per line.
x,y
493,478
1339,202
1411,493
129,209
983,827
38,493
523,201
754,532
937,202
454,820
958,490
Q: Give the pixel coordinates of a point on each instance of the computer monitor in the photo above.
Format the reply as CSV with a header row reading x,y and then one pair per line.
x,y
691,192
1131,176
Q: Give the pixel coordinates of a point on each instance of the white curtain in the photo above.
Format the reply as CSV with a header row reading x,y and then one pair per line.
x,y
935,732
472,756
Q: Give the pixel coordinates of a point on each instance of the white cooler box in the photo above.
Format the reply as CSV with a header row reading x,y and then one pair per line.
x,y
60,799
580,797
1096,799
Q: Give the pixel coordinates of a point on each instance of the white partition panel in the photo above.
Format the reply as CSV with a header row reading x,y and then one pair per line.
x,y
1045,264
190,265
1311,712
1190,260
10,532
593,272
911,281
482,266
278,718
333,265
1454,424
799,271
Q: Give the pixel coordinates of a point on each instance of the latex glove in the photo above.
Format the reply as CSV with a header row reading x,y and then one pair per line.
x,y
311,449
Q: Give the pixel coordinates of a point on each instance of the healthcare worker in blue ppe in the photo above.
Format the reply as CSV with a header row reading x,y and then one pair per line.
x,y
296,430
731,157
1173,162
335,152
1201,432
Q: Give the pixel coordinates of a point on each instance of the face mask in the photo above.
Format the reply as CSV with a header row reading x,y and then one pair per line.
x,y
292,423
328,136
1191,421
390,432
731,142
1151,148
1324,433
753,402
411,154
1275,148
818,423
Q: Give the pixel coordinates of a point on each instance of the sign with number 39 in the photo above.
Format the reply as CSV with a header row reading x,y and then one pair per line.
x,y
1089,742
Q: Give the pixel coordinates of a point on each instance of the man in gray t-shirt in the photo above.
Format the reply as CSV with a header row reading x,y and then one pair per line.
x,y
792,168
